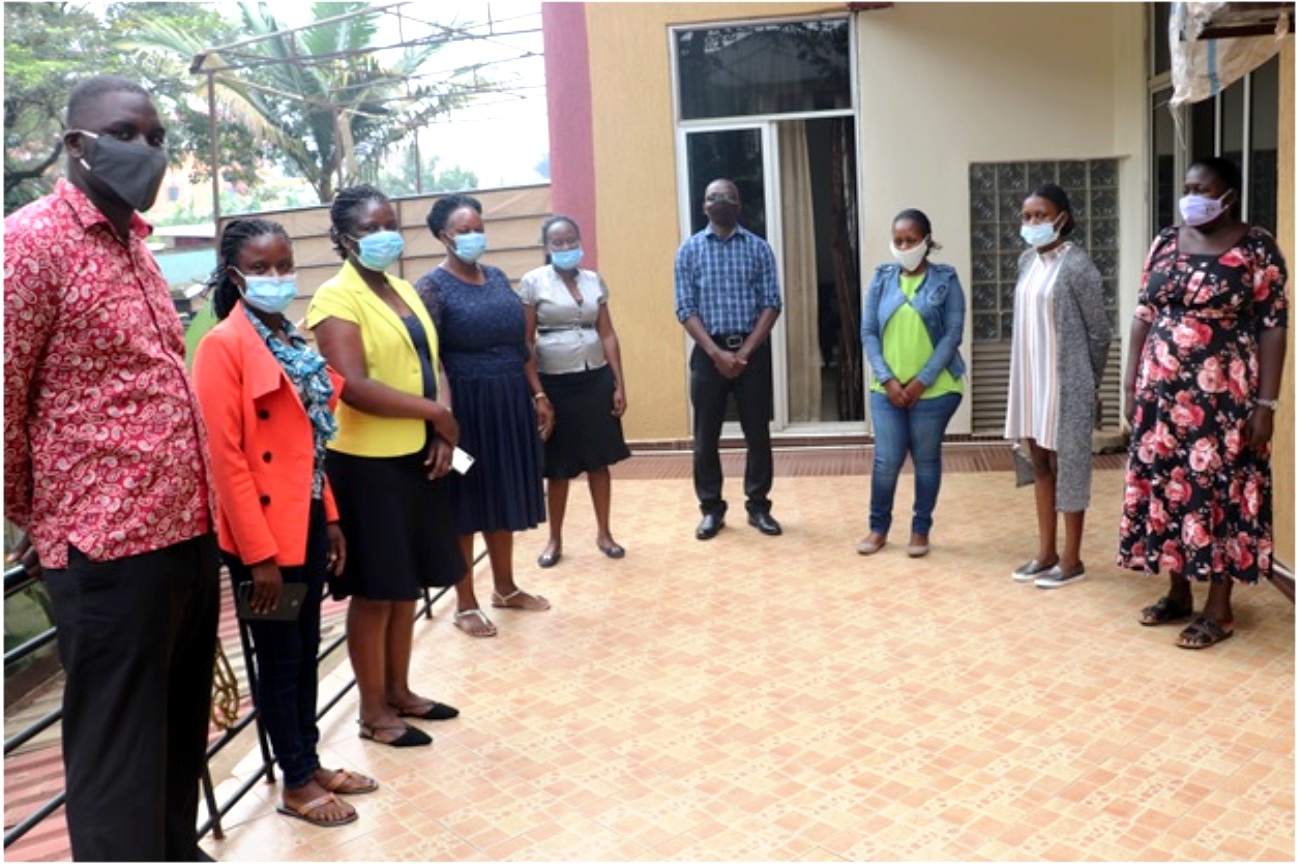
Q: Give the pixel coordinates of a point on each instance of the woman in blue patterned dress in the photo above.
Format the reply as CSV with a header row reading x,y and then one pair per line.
x,y
1200,388
497,395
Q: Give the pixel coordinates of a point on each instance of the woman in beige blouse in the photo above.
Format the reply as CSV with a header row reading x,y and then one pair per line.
x,y
572,336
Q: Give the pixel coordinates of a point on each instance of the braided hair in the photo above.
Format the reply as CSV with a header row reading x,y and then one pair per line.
x,y
237,233
555,220
343,213
448,205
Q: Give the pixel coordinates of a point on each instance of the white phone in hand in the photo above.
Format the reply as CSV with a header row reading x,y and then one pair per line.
x,y
461,460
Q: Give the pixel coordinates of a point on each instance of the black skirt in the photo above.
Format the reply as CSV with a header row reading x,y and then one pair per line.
x,y
587,435
397,525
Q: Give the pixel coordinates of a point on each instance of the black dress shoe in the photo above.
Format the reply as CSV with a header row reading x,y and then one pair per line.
x,y
709,526
765,523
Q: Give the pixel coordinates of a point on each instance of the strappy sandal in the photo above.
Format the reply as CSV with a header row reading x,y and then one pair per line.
x,y
306,810
350,783
539,603
1165,610
1203,633
486,628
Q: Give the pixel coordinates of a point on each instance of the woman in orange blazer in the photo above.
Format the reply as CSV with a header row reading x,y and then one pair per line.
x,y
267,398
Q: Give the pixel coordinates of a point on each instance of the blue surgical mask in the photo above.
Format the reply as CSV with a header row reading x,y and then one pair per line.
x,y
566,260
470,246
268,293
1039,234
378,250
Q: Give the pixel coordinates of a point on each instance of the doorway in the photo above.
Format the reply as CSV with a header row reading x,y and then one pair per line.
x,y
798,186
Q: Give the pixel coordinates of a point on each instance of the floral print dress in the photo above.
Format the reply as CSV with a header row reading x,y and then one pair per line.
x,y
1197,497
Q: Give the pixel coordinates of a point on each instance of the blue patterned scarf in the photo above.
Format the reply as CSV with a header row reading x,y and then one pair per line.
x,y
306,370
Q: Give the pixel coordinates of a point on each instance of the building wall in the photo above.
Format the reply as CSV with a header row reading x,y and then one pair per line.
x,y
943,85
940,85
1284,433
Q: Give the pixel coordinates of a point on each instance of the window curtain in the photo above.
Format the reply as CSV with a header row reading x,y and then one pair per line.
x,y
799,283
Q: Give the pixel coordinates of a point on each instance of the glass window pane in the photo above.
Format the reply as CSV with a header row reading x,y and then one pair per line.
x,y
780,68
735,154
1263,146
1201,141
1162,155
1160,38
1232,116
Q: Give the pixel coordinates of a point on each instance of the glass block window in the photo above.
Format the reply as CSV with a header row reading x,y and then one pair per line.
x,y
780,68
997,191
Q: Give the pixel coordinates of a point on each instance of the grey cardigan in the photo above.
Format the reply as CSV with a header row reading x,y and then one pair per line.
x,y
1083,336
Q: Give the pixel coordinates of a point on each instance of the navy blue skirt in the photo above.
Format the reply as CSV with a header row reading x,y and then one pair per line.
x,y
498,427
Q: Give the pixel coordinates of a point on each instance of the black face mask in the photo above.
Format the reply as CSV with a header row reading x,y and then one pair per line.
x,y
133,172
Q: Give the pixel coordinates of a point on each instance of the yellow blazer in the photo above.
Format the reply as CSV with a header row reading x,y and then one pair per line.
x,y
390,358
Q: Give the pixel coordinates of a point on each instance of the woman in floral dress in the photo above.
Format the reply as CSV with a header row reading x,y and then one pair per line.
x,y
1201,386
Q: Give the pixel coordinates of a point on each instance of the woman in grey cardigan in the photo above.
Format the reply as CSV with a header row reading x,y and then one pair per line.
x,y
1058,353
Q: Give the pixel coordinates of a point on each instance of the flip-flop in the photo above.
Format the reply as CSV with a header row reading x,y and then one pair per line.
x,y
434,710
1165,610
338,783
304,812
487,627
1203,633
541,603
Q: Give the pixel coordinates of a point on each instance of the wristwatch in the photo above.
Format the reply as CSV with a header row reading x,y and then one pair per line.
x,y
1267,404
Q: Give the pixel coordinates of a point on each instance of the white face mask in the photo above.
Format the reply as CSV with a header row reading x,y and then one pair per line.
x,y
912,257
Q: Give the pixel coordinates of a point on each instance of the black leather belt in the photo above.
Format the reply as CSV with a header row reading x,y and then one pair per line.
x,y
729,341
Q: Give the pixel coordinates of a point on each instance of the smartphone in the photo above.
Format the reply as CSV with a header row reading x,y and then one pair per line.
x,y
461,461
291,598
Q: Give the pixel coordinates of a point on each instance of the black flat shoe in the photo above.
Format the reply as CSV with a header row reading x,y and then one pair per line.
x,y
435,711
709,527
410,736
765,523
613,552
547,559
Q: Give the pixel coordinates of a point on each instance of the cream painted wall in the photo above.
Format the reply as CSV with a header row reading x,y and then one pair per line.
x,y
636,193
943,85
1284,433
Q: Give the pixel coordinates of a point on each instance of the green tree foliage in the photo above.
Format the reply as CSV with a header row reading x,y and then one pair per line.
x,y
432,179
326,104
49,47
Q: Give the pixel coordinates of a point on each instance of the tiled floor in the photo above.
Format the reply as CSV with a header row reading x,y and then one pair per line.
x,y
755,698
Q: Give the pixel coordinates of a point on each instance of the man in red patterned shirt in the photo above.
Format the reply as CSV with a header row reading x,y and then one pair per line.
x,y
105,468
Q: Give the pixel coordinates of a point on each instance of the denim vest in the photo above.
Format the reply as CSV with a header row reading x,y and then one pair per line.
x,y
942,306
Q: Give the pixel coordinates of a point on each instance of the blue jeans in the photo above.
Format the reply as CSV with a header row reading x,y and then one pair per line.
x,y
898,432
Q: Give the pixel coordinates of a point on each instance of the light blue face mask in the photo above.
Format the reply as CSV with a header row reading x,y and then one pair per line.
x,y
268,293
566,260
470,246
1039,234
378,250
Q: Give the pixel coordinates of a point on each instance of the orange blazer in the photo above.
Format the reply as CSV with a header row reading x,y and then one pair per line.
x,y
261,444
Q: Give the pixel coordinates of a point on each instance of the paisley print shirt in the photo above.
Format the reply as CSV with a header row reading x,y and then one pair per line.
x,y
104,446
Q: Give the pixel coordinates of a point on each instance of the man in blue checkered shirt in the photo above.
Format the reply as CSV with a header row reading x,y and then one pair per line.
x,y
728,300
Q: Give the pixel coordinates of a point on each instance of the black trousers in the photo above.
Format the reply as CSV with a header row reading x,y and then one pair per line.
x,y
136,638
752,391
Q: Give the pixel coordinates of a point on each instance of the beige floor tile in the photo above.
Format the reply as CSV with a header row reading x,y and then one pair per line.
x,y
786,699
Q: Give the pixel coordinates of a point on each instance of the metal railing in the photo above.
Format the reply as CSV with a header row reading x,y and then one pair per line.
x,y
17,580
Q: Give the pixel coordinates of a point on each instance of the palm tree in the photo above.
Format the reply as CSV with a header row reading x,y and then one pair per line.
x,y
320,96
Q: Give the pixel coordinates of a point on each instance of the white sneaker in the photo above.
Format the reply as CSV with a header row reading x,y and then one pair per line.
x,y
1054,577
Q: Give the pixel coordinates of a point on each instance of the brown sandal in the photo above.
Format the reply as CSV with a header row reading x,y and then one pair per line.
x,y
306,811
350,783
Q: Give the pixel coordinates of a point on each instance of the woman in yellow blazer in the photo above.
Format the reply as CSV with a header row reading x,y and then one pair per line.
x,y
394,446
266,398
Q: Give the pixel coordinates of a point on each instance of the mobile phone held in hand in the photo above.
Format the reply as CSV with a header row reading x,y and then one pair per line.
x,y
291,599
461,461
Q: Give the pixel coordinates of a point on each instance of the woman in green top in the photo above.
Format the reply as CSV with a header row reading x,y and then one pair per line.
x,y
911,327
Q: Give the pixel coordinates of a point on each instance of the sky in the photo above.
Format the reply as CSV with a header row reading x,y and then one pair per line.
x,y
502,137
